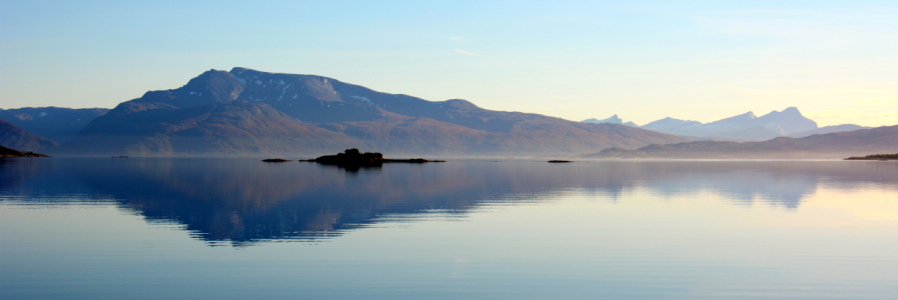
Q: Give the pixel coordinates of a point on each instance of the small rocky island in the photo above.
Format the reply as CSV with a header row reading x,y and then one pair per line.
x,y
276,160
355,158
7,152
875,157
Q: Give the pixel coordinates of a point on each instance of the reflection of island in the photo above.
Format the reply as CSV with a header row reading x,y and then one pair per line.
x,y
244,201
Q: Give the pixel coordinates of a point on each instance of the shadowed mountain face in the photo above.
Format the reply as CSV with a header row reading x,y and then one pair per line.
x,y
16,138
247,112
831,146
54,123
247,201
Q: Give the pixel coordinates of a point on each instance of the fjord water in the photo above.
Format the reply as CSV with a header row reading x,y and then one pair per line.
x,y
238,228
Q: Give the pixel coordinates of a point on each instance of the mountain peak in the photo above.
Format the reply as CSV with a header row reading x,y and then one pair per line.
x,y
239,69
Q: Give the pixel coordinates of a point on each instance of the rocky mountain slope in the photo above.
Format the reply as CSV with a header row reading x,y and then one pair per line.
x,y
14,137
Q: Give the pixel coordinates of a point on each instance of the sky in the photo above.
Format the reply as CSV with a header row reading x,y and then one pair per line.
x,y
837,61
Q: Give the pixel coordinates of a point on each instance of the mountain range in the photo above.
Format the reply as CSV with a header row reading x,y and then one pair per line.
x,y
788,122
824,146
55,123
247,112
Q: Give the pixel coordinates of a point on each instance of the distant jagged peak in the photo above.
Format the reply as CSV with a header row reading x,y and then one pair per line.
x,y
677,120
791,109
668,121
746,116
788,112
612,120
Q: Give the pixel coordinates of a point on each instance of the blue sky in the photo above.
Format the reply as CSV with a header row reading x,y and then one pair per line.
x,y
643,60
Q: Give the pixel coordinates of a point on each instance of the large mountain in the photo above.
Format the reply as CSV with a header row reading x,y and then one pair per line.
x,y
55,123
830,145
247,112
16,138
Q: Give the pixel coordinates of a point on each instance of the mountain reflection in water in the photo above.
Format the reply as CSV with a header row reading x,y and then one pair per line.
x,y
246,201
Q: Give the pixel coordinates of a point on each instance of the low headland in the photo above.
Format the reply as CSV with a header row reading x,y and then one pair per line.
x,y
7,152
875,157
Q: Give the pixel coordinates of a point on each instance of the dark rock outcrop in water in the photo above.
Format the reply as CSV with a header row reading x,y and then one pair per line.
x,y
353,158
275,160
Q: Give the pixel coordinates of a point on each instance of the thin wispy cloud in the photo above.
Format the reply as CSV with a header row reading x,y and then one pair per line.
x,y
457,39
460,51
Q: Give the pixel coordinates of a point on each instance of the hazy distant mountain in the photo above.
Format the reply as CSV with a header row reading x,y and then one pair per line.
x,y
247,112
746,126
55,123
830,145
16,138
673,126
612,120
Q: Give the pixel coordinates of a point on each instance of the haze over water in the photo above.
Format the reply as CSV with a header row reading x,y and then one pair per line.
x,y
238,228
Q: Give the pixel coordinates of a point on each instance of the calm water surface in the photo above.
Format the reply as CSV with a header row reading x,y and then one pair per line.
x,y
239,228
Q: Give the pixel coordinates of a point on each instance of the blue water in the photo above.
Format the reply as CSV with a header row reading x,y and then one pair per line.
x,y
237,228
